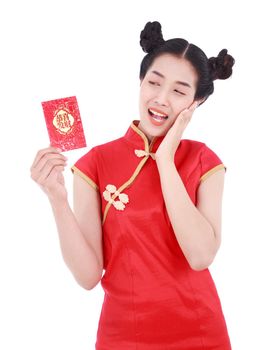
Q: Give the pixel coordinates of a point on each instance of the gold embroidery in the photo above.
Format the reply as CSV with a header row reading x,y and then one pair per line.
x,y
107,196
142,153
119,205
111,188
123,198
125,185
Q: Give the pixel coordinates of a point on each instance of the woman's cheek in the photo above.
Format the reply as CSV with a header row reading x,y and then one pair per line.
x,y
145,94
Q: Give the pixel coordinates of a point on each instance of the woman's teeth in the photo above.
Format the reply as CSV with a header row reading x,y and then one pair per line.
x,y
157,116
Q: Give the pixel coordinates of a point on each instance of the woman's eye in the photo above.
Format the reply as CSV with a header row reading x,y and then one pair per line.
x,y
157,84
179,92
153,83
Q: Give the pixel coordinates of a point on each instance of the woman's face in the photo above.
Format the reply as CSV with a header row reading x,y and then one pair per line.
x,y
168,88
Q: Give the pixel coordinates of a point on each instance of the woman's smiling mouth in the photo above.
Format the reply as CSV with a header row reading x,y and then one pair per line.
x,y
157,118
157,115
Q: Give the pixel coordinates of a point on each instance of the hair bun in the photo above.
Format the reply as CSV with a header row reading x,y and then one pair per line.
x,y
221,66
151,36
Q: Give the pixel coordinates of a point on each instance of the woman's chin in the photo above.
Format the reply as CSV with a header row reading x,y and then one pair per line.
x,y
151,130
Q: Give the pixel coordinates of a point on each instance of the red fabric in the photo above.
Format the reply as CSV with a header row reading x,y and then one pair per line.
x,y
153,299
88,165
208,159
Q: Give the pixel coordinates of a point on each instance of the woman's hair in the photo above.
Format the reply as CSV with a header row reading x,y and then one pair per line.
x,y
208,69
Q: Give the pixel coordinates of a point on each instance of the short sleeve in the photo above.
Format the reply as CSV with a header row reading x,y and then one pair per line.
x,y
210,163
86,167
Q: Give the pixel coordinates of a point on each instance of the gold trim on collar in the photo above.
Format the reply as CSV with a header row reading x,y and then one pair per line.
x,y
147,146
147,153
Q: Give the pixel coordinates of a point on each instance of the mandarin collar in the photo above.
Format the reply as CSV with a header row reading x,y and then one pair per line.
x,y
137,137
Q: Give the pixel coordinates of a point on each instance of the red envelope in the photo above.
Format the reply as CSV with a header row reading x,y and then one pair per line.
x,y
64,123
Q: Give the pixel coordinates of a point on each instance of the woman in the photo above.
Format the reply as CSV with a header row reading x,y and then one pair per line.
x,y
147,210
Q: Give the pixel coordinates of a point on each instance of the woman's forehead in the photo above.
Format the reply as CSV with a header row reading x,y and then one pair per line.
x,y
171,67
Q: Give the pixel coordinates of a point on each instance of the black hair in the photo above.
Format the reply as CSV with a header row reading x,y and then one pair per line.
x,y
208,69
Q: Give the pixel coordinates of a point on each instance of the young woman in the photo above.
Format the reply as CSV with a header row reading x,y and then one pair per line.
x,y
147,210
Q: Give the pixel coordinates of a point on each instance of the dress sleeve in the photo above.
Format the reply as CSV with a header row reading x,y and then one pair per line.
x,y
86,167
210,163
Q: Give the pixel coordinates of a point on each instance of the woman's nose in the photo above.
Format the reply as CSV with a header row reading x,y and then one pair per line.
x,y
162,97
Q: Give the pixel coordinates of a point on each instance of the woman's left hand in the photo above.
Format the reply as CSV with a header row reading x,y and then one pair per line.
x,y
171,141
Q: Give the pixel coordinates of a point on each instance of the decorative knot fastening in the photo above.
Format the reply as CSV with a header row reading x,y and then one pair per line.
x,y
123,198
142,153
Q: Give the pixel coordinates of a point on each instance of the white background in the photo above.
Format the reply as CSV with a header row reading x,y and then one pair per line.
x,y
53,49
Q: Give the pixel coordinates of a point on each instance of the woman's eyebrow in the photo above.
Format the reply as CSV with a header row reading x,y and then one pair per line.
x,y
177,82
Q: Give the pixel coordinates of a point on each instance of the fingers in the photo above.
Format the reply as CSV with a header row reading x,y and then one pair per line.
x,y
44,154
185,115
187,112
49,172
50,160
41,153
45,160
194,105
191,108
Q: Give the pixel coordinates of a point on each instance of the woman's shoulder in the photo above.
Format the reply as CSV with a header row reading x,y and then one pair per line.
x,y
197,148
198,155
99,152
109,146
192,145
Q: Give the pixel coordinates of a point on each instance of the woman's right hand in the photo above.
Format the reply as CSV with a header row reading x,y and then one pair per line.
x,y
46,171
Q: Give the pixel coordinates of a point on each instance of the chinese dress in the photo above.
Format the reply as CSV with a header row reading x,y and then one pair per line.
x,y
153,299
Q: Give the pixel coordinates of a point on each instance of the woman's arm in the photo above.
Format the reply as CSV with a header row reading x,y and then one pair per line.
x,y
197,228
79,233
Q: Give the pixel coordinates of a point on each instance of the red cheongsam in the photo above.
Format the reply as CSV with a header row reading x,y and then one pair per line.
x,y
153,299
